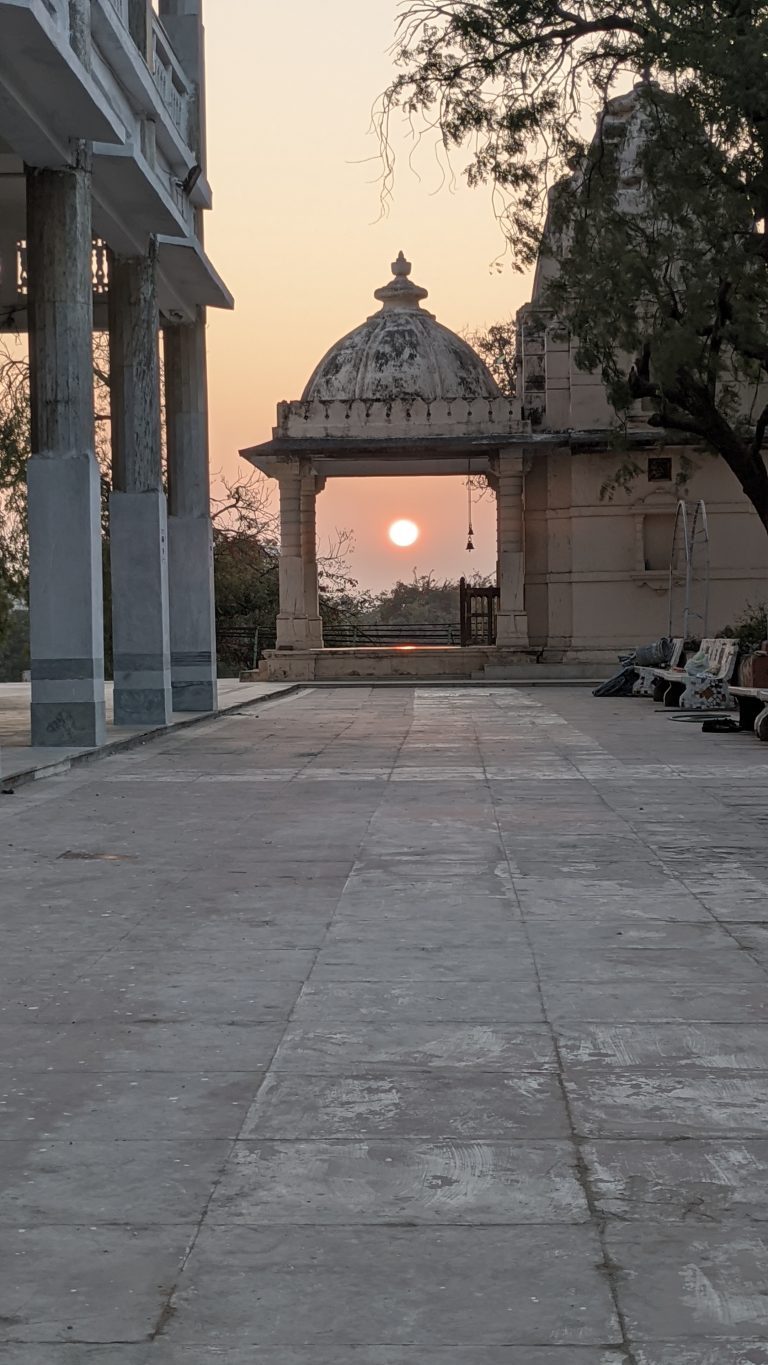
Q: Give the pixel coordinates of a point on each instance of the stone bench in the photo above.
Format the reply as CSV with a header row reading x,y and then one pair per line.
x,y
643,687
753,709
704,691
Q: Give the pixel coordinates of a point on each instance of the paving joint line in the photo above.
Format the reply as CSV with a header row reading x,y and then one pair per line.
x,y
610,1267
168,1309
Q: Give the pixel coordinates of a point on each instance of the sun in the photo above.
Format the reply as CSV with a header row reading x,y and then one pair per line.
x,y
403,532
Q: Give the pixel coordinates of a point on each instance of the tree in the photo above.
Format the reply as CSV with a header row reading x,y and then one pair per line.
x,y
497,346
14,450
659,229
246,561
424,599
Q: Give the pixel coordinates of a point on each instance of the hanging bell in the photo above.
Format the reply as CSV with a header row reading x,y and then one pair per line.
x,y
470,545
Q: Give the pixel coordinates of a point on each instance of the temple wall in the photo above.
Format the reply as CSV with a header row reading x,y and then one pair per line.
x,y
597,568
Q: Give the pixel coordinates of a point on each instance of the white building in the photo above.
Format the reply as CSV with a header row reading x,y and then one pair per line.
x,y
103,189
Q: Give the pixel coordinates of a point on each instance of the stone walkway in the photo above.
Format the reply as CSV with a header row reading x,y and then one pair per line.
x,y
390,1028
21,761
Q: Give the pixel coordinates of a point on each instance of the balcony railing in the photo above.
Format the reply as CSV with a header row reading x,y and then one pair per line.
x,y
174,88
152,42
99,268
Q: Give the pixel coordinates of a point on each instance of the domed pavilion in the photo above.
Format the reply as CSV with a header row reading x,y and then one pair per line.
x,y
400,394
581,576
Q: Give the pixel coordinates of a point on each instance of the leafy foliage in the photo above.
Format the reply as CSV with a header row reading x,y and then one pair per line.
x,y
750,628
658,246
422,600
497,346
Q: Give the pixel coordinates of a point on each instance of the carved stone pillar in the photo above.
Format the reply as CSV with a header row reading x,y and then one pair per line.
x,y
292,618
309,491
137,509
511,621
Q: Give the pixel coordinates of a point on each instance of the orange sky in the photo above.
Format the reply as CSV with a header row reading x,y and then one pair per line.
x,y
295,236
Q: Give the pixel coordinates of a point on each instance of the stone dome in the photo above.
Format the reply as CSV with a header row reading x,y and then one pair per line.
x,y
401,352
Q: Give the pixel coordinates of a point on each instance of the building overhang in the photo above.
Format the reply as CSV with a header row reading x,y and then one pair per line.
x,y
47,98
189,278
129,203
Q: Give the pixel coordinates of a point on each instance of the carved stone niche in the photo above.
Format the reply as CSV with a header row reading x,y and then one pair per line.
x,y
654,518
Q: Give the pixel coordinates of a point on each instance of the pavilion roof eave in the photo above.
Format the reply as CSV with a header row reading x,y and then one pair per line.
x,y
340,446
345,451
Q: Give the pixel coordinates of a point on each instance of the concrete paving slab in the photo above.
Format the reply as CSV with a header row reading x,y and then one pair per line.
x,y
391,894
423,963
113,1182
163,1353
694,967
353,1003
439,1104
72,1105
52,1354
654,1001
723,1352
144,1047
228,996
713,1047
87,1284
683,1283
453,1286
680,1181
477,1183
415,1046
676,1102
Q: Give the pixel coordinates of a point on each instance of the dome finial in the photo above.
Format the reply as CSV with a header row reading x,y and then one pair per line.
x,y
401,292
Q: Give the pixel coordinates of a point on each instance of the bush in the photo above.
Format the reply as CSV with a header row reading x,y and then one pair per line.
x,y
751,627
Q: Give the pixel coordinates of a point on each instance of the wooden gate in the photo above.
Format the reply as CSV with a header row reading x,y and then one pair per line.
x,y
478,614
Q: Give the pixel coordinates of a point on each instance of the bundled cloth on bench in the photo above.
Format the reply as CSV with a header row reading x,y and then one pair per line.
x,y
655,655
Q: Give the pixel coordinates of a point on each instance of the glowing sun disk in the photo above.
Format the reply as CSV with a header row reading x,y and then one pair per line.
x,y
403,532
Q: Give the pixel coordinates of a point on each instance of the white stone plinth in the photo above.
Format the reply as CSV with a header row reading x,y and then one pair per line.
x,y
140,631
193,622
65,600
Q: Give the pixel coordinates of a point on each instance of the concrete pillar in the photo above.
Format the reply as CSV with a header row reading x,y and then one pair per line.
x,y
309,490
80,30
291,619
137,509
511,621
65,588
190,535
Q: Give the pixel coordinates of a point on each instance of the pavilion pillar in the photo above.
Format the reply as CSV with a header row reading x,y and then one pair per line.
x,y
292,618
511,621
65,575
138,520
190,535
309,491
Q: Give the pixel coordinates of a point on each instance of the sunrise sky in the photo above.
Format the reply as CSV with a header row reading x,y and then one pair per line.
x,y
295,235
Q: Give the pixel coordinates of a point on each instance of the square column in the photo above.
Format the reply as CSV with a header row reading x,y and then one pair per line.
x,y
292,618
190,534
141,653
511,620
65,577
309,491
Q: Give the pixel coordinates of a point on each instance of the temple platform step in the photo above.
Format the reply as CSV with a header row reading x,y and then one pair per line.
x,y
412,663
